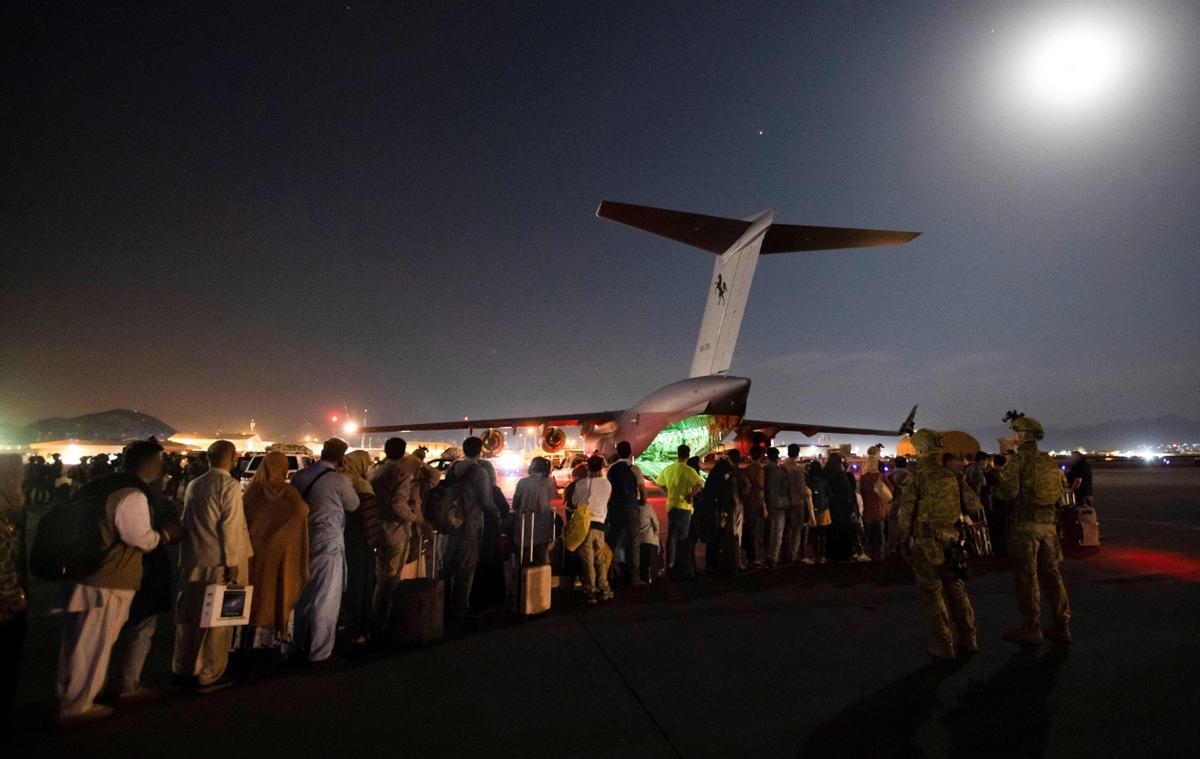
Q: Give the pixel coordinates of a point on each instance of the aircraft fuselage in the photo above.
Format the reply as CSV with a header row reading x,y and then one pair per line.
x,y
714,395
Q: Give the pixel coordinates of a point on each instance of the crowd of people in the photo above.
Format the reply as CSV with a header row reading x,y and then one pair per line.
x,y
326,551
45,481
50,481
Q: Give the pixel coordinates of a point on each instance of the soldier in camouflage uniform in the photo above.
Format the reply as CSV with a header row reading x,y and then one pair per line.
x,y
1032,485
932,502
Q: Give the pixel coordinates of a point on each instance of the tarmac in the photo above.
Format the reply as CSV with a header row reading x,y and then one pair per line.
x,y
799,661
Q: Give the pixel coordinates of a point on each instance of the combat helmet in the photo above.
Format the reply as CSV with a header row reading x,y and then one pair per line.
x,y
1027,429
926,441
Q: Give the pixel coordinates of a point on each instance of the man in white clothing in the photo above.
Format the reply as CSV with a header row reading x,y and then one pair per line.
x,y
96,606
217,551
595,490
329,495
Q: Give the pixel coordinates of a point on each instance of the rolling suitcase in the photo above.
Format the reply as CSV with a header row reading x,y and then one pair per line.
x,y
1089,527
979,537
535,581
1080,531
418,608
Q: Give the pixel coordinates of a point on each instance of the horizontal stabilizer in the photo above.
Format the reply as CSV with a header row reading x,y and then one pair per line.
x,y
711,233
716,234
789,238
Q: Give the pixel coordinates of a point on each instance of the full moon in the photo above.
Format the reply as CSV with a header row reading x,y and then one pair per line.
x,y
1074,65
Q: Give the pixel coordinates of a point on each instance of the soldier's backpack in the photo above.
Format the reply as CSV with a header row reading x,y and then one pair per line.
x,y
1047,481
444,501
68,544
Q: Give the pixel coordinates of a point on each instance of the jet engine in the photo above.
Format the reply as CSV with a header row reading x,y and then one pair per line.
x,y
553,439
493,441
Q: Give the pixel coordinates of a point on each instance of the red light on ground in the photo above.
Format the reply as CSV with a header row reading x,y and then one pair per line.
x,y
1150,562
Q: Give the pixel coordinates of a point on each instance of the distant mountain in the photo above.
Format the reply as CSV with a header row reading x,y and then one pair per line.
x,y
115,425
1114,435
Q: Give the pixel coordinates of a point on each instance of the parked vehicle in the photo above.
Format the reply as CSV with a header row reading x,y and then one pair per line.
x,y
296,462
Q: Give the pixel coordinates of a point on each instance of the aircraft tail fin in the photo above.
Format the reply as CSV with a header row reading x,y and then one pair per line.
x,y
728,291
737,244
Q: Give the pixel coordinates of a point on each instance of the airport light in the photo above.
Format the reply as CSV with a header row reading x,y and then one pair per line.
x,y
510,462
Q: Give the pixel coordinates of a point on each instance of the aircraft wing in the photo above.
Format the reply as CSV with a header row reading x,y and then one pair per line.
x,y
809,430
562,420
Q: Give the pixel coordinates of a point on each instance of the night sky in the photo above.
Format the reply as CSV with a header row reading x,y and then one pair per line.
x,y
213,214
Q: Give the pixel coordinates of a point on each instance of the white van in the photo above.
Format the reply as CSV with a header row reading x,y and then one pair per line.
x,y
296,461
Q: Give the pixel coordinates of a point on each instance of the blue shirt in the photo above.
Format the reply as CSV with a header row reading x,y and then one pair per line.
x,y
328,501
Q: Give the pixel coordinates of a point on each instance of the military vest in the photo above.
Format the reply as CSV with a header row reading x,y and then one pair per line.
x,y
936,495
1033,484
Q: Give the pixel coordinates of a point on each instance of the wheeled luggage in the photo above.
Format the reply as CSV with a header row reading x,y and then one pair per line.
x,y
1079,529
418,608
978,536
535,582
1089,527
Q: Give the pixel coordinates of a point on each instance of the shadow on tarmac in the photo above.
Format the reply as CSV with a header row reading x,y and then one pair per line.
x,y
1009,714
885,722
1006,715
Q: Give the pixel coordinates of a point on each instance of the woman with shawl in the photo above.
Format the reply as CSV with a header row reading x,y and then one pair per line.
x,y
361,534
715,510
843,505
277,518
13,583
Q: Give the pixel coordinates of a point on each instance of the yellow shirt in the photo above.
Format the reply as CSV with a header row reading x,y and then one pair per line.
x,y
680,480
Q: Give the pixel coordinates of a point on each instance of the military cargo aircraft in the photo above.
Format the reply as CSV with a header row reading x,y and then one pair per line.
x,y
704,408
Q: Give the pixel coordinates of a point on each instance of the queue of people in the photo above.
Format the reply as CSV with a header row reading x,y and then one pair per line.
x,y
326,551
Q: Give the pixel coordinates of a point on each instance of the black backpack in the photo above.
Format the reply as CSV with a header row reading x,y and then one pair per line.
x,y
444,502
68,544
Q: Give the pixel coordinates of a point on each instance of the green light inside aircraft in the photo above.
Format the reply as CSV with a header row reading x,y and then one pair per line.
x,y
701,433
